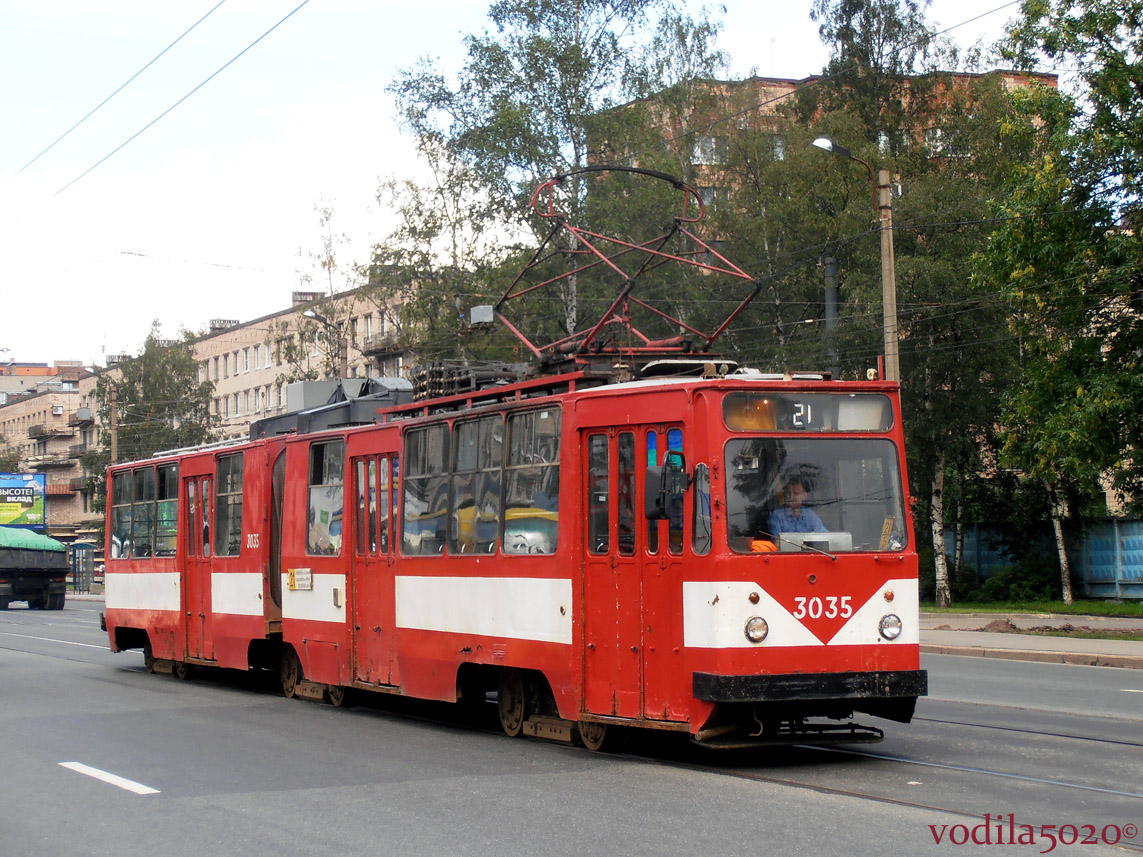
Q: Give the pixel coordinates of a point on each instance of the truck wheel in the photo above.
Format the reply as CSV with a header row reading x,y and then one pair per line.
x,y
4,603
38,603
56,602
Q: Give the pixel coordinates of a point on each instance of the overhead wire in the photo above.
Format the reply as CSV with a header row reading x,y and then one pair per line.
x,y
117,91
184,98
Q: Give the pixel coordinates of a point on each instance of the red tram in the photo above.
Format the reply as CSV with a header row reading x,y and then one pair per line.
x,y
705,549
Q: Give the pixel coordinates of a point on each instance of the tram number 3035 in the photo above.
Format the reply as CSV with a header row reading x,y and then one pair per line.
x,y
831,607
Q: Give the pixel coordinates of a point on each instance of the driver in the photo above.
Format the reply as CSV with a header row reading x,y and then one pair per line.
x,y
794,517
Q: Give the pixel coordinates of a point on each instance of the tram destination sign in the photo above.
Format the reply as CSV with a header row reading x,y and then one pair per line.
x,y
22,500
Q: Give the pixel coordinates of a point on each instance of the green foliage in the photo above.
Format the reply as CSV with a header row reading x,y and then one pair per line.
x,y
160,404
9,457
1067,254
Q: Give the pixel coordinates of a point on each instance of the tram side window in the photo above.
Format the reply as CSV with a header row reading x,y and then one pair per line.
x,y
366,506
701,524
625,500
143,513
532,483
191,508
326,498
675,513
167,510
121,496
228,506
424,522
598,494
652,461
479,456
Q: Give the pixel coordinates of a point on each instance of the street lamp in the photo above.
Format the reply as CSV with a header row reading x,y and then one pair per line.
x,y
888,268
342,345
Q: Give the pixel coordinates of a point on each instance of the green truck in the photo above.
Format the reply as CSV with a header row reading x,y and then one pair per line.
x,y
33,568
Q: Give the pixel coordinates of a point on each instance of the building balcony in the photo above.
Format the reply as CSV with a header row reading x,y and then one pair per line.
x,y
44,462
59,489
76,450
382,344
81,417
38,432
77,483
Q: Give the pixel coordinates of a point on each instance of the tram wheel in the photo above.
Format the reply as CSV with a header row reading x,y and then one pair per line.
x,y
148,657
291,672
180,670
594,735
336,695
512,702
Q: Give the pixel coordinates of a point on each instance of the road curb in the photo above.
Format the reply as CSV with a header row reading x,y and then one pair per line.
x,y
1131,662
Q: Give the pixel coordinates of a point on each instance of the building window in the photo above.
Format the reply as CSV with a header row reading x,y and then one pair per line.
x,y
709,150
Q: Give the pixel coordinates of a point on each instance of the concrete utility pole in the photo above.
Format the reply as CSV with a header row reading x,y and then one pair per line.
x,y
830,265
888,267
114,427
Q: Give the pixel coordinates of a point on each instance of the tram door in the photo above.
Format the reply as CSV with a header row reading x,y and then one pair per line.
x,y
374,608
612,588
198,505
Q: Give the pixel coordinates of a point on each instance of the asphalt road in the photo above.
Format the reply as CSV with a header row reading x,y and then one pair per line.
x,y
236,769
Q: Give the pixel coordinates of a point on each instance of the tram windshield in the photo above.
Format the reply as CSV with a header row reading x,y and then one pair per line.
x,y
814,493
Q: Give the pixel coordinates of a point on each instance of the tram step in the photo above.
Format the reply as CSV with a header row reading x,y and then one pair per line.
x,y
164,666
306,689
550,729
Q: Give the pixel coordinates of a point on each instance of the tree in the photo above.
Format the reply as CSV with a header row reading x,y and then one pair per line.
x,y
159,402
948,141
1066,255
9,456
533,99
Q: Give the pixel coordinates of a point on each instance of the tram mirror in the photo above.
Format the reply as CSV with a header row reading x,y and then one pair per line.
x,y
665,484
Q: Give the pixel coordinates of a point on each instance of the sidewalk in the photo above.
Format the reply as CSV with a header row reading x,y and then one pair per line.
x,y
966,634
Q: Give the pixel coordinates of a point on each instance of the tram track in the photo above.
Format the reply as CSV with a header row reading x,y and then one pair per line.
x,y
1036,732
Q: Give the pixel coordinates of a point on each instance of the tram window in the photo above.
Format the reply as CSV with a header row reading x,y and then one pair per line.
x,y
625,496
383,500
532,483
206,517
143,513
192,547
675,508
852,488
475,521
365,502
426,490
228,506
167,510
701,524
598,494
326,498
121,495
652,461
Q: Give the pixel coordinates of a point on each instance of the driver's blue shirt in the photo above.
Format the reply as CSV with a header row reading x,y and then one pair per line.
x,y
783,520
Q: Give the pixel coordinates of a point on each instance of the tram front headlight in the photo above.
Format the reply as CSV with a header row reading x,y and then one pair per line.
x,y
890,626
756,629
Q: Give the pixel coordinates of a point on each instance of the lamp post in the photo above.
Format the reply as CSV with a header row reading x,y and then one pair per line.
x,y
342,345
888,266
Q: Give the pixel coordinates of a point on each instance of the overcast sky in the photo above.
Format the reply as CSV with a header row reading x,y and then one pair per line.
x,y
209,213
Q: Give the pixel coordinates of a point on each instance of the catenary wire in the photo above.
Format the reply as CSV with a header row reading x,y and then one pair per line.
x,y
181,100
120,89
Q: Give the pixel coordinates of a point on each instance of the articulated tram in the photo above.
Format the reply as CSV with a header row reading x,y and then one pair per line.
x,y
599,557
649,537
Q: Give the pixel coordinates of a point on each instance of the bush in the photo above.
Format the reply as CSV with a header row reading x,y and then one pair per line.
x,y
1033,578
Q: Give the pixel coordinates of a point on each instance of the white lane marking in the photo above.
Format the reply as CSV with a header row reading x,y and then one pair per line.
x,y
51,640
1129,690
129,785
